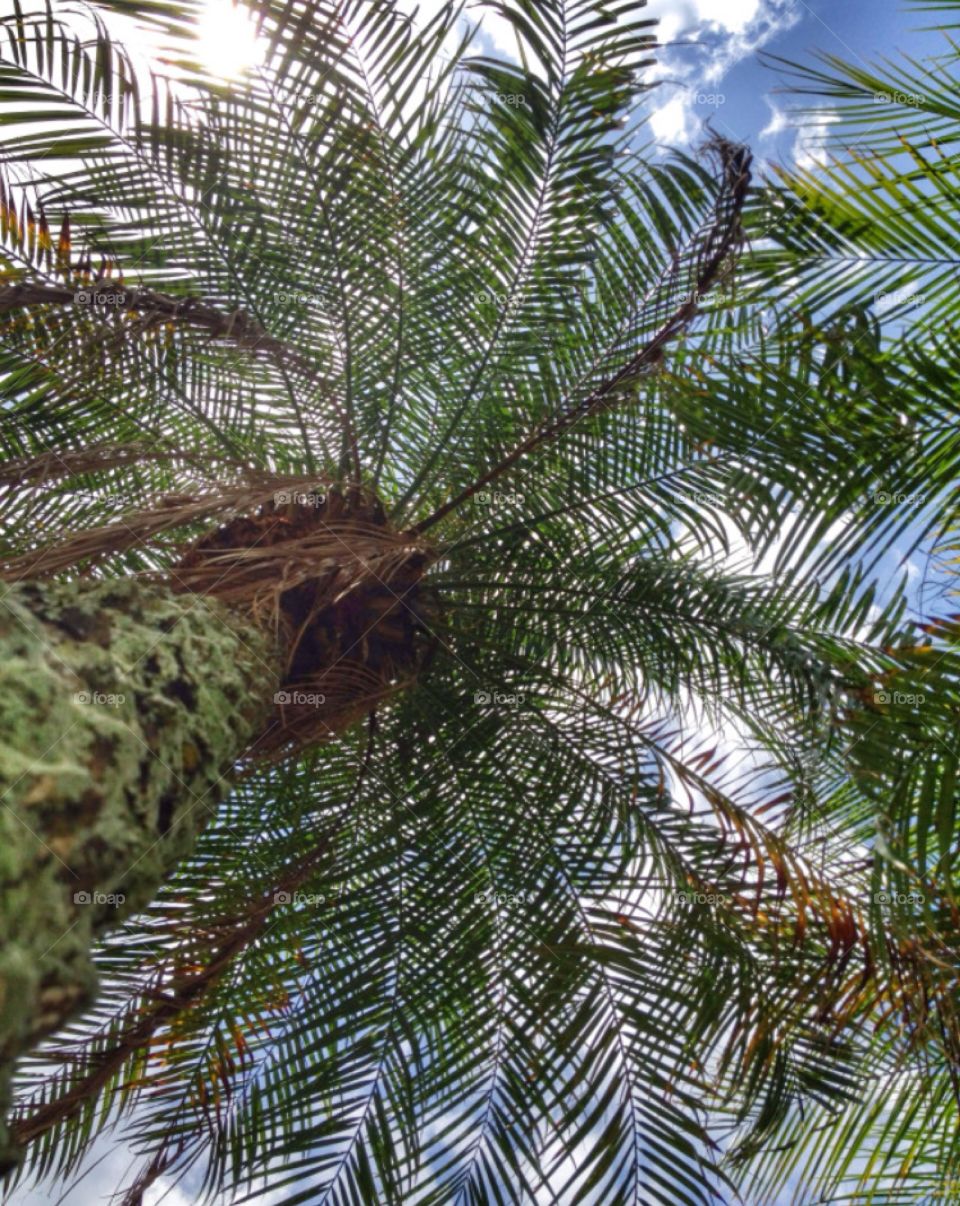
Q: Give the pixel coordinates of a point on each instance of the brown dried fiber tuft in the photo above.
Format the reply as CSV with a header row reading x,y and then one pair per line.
x,y
342,591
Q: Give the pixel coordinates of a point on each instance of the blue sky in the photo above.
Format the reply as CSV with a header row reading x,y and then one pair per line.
x,y
716,48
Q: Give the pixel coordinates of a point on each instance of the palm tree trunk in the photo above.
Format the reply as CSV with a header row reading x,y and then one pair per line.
x,y
123,710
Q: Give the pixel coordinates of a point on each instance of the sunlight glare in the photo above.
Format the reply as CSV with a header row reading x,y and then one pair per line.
x,y
227,37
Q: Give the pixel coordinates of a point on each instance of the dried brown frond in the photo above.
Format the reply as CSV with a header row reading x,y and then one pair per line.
x,y
72,462
85,550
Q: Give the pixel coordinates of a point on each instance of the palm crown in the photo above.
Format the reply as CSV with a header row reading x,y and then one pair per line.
x,y
524,922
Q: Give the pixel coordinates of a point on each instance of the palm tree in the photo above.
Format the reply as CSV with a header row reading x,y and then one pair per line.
x,y
380,429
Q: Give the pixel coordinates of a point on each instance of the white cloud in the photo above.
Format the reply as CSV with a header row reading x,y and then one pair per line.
x,y
770,18
670,123
809,149
502,34
170,1194
108,1164
671,23
779,121
750,18
711,37
734,15
496,29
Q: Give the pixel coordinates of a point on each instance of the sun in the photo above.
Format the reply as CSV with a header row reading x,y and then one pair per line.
x,y
228,44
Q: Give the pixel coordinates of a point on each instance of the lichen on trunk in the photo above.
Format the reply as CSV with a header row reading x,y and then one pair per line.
x,y
123,710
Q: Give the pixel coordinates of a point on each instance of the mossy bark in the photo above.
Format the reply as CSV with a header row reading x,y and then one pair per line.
x,y
123,709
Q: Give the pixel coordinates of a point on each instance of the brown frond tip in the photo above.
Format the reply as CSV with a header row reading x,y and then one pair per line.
x,y
342,590
713,254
